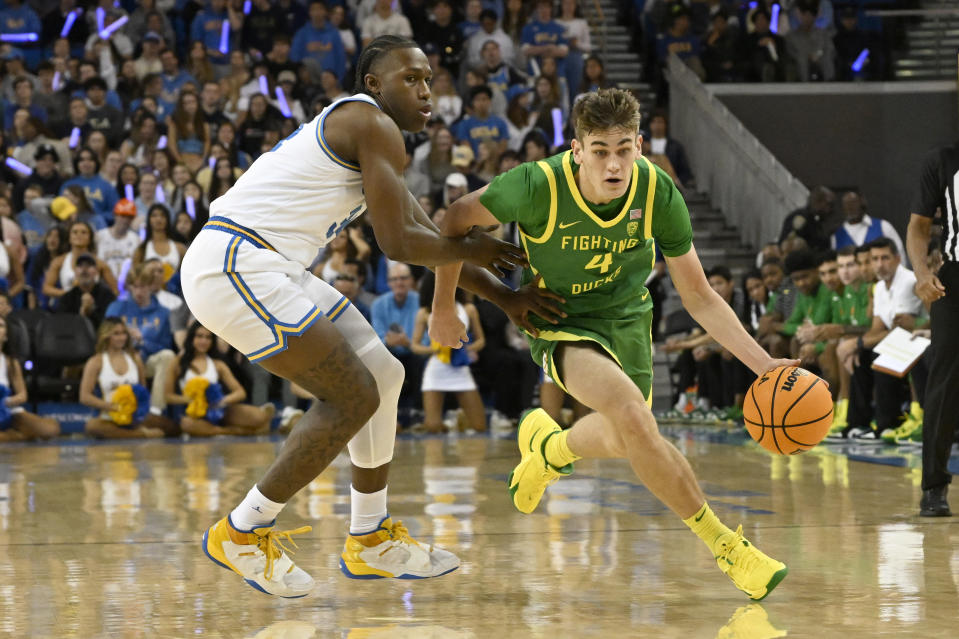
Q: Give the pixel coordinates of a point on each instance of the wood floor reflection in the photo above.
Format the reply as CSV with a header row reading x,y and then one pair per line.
x,y
102,541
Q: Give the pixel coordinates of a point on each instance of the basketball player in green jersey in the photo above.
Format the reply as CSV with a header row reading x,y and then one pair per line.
x,y
588,220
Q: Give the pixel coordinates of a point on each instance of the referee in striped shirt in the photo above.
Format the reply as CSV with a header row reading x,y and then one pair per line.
x,y
938,183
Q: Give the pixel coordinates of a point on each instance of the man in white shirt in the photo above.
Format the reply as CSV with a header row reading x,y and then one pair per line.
x,y
116,244
860,228
384,21
894,303
489,30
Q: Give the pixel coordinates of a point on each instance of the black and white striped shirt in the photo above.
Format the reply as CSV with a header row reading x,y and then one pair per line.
x,y
938,189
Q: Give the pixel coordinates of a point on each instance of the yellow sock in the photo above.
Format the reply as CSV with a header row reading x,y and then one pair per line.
x,y
706,525
557,451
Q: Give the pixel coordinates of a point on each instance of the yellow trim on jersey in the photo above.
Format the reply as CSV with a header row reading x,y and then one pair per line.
x,y
242,231
574,190
650,198
523,237
553,197
281,343
329,152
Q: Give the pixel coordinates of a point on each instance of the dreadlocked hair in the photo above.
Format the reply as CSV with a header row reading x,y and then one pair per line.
x,y
374,51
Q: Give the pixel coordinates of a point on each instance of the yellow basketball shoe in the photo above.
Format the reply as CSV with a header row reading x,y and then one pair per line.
x,y
751,571
389,552
259,556
839,421
533,473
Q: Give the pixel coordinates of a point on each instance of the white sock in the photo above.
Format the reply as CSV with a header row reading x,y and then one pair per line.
x,y
255,510
367,510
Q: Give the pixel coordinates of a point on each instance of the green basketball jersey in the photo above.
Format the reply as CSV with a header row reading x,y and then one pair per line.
x,y
597,256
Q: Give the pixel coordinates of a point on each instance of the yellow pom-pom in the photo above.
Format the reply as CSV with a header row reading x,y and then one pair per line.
x,y
126,403
195,391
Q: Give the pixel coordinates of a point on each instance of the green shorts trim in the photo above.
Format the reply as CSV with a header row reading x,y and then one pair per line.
x,y
627,341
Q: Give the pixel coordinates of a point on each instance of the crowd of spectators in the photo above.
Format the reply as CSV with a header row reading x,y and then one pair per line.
x,y
762,40
123,120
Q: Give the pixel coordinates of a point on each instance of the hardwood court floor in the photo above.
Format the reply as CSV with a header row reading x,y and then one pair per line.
x,y
102,541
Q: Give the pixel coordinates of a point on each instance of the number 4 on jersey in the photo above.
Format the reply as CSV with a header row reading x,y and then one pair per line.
x,y
601,262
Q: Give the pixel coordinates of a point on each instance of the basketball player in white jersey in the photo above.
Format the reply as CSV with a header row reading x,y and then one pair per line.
x,y
246,278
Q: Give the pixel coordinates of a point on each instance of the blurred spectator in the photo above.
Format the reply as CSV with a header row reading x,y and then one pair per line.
x,y
110,169
198,64
261,25
470,24
22,425
350,287
486,166
149,60
53,101
116,244
88,296
222,179
338,19
13,64
661,143
188,132
318,44
578,40
433,159
143,140
765,51
535,146
115,363
544,36
17,17
515,15
23,99
384,21
393,317
679,39
501,75
10,231
160,242
721,50
480,125
810,48
260,120
148,16
864,260
44,175
174,78
447,103
100,115
859,228
97,142
812,222
82,209
594,75
347,246
278,59
61,273
211,106
519,119
54,244
179,312
207,27
489,32
851,42
822,11
757,298
101,194
147,189
35,135
149,324
442,33
55,19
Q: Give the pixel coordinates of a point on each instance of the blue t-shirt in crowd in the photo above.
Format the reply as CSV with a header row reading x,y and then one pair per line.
x,y
385,313
684,47
12,108
475,130
541,33
323,45
173,83
112,98
101,194
207,27
23,20
153,322
32,229
164,108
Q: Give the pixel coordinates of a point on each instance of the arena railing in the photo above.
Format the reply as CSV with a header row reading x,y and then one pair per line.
x,y
742,178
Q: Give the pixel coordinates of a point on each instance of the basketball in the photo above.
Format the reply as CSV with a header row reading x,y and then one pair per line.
x,y
788,410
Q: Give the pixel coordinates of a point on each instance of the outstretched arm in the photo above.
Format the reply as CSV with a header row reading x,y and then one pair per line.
x,y
716,316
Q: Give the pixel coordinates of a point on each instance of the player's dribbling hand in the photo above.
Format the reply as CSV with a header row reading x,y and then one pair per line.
x,y
773,364
532,298
492,254
446,329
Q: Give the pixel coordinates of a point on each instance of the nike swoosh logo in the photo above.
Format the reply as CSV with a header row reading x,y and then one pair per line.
x,y
566,226
703,514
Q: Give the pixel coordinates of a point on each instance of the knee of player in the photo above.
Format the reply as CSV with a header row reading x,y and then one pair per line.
x,y
365,399
635,421
393,375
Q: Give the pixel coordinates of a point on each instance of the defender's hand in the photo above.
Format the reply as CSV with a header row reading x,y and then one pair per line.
x,y
532,298
492,254
929,288
446,329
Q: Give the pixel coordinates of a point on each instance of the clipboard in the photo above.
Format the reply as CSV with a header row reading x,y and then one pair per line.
x,y
898,352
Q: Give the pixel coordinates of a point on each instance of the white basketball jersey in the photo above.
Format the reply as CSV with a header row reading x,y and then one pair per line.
x,y
298,195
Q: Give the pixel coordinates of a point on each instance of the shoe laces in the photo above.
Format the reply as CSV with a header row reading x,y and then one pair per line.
x,y
729,555
271,544
400,533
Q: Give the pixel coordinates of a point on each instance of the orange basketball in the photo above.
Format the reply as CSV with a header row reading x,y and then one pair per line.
x,y
788,410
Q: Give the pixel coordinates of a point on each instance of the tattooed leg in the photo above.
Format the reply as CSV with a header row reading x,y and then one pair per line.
x,y
323,363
